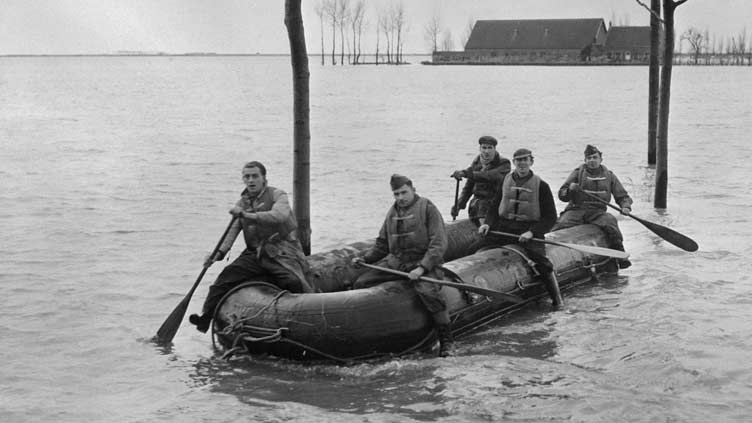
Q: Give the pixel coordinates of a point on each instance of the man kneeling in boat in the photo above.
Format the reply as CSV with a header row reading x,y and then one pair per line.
x,y
484,175
593,178
412,239
524,205
273,252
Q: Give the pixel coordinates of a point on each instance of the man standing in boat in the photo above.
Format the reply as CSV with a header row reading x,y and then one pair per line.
x,y
524,205
484,176
273,252
413,240
595,179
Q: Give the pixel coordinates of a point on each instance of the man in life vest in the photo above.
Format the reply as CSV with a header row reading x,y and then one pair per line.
x,y
595,179
273,252
484,176
524,205
413,240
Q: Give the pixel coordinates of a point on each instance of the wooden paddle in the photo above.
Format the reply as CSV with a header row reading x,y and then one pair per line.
x,y
170,326
599,251
670,235
472,288
455,211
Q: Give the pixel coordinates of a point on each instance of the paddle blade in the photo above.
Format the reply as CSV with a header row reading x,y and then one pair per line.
x,y
170,327
670,235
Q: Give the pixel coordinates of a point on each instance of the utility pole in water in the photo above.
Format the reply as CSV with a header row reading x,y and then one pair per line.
x,y
654,69
301,128
661,165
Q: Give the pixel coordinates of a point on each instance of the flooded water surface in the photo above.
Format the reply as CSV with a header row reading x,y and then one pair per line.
x,y
117,174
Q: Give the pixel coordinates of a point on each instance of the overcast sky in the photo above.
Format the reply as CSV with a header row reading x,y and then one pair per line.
x,y
247,26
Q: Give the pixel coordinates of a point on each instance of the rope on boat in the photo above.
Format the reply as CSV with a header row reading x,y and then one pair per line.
x,y
232,326
524,257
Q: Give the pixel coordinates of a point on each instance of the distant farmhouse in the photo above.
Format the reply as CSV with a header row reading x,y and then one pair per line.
x,y
550,42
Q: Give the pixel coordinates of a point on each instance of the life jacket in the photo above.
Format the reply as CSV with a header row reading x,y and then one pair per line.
x,y
407,235
520,201
599,186
257,234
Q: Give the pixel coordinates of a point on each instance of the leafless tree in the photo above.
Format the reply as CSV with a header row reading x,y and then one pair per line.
x,y
386,28
400,27
741,46
378,37
330,9
696,42
468,31
431,32
357,17
343,14
447,43
320,12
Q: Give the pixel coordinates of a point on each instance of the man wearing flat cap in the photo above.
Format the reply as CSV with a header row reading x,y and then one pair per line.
x,y
593,178
524,205
412,239
483,178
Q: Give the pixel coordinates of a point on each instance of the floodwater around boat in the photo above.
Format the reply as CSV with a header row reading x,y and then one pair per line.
x,y
117,174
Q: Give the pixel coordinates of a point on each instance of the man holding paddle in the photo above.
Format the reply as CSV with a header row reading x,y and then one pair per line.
x,y
592,179
413,240
483,178
524,207
273,252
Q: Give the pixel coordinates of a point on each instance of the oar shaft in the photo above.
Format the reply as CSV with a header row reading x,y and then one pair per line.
x,y
456,200
169,328
472,288
600,251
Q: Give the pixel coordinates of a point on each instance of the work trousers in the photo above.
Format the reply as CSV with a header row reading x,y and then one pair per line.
x,y
600,218
429,293
248,266
535,251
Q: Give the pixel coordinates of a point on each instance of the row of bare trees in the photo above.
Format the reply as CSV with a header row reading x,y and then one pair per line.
x,y
347,20
439,37
716,50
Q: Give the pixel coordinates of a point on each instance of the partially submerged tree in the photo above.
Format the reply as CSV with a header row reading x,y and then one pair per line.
x,y
447,42
661,168
343,14
320,12
697,43
468,31
357,17
301,127
431,32
654,77
661,165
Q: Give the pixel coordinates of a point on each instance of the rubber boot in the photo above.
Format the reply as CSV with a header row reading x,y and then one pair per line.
x,y
622,263
552,286
446,340
202,322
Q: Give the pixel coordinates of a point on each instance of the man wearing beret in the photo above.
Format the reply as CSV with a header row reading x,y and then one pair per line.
x,y
593,178
483,178
524,205
412,239
272,247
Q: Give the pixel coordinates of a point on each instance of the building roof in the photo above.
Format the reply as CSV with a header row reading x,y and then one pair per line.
x,y
628,38
534,34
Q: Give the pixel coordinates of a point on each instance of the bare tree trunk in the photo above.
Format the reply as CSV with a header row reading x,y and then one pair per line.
x,y
321,20
654,68
661,168
301,128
